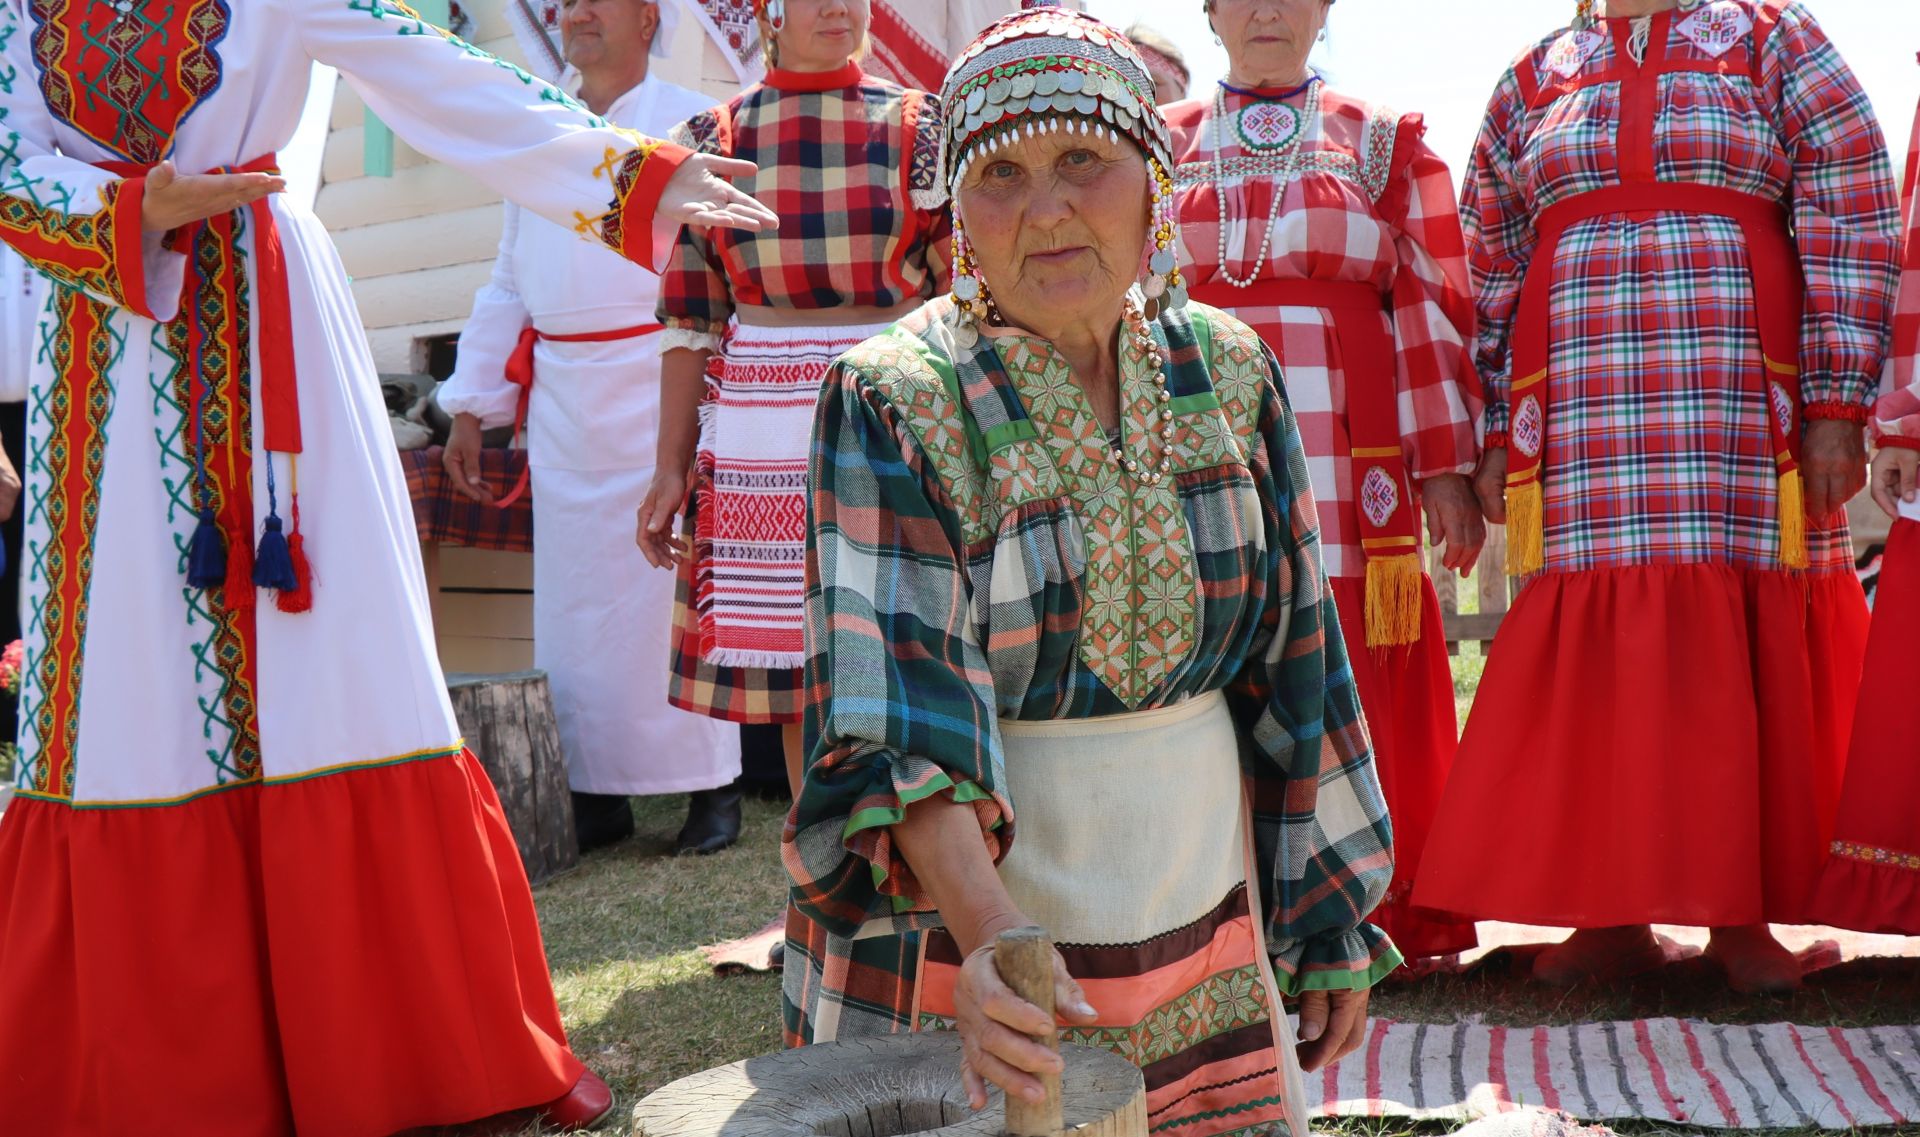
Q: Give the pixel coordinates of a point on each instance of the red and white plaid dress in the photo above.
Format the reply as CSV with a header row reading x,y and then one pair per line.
x,y
1662,723
1370,204
1872,878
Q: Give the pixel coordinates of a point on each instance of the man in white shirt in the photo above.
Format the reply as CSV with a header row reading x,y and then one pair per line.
x,y
580,321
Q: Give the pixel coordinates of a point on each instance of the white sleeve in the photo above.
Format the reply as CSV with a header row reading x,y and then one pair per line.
x,y
525,139
478,385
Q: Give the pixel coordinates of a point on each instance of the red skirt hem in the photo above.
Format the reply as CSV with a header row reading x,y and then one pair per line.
x,y
1658,744
1406,694
350,955
1872,881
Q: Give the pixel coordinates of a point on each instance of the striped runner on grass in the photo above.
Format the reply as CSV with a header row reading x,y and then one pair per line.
x,y
1702,1074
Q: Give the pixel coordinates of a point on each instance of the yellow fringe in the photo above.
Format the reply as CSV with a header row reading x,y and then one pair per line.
x,y
1393,600
1793,521
1526,536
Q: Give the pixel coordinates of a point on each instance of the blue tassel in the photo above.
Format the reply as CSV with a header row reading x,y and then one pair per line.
x,y
206,554
273,564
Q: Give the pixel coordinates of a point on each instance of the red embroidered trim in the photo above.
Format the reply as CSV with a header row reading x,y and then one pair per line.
x,y
1495,440
1897,441
1873,855
627,225
99,252
1843,412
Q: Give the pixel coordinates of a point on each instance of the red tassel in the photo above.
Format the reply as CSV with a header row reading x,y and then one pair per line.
x,y
300,597
237,595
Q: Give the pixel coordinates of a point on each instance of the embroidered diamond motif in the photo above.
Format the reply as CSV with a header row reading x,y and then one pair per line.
x,y
1379,497
1571,52
1782,409
1529,423
1717,28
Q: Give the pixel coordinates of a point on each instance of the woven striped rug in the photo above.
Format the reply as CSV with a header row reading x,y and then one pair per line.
x,y
1700,1074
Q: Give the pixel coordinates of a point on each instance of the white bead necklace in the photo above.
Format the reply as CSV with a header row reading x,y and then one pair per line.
x,y
1146,469
1289,158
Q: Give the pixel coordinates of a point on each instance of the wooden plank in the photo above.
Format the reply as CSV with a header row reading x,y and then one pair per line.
x,y
481,654
495,615
420,191
490,569
386,248
400,349
1476,627
429,295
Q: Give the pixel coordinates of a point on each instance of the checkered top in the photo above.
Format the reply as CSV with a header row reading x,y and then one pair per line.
x,y
853,173
1898,411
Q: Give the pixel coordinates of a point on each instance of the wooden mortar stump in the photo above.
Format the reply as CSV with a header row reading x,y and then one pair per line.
x,y
883,1086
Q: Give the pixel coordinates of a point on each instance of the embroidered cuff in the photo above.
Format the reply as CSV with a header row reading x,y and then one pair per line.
x,y
103,252
1898,441
1495,440
628,226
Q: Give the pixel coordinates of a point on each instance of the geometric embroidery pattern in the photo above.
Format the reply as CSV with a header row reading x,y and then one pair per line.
x,y
128,79
1378,496
1529,426
213,329
1717,28
66,463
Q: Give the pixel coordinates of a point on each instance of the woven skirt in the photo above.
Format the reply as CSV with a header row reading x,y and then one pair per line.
x,y
739,606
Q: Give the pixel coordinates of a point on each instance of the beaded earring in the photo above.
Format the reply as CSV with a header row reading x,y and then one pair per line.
x,y
1164,287
972,305
777,14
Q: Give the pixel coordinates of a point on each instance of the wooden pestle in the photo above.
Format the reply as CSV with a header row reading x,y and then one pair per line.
x,y
1024,957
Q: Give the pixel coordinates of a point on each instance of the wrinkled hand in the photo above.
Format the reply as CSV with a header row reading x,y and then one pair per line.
x,y
1453,516
1833,461
659,541
9,487
1490,485
1896,478
173,199
1332,1026
996,1024
461,459
698,195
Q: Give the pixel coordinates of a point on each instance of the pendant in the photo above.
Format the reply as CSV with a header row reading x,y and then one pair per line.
x,y
1267,126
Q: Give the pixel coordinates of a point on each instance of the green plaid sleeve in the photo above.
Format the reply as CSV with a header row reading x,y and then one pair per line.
x,y
900,699
1323,844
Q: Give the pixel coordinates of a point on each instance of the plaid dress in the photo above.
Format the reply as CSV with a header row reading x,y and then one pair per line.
x,y
1666,666
1371,204
849,162
973,558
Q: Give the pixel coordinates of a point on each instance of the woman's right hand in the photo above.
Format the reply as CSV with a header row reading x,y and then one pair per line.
x,y
656,535
996,1026
1896,478
173,199
1490,485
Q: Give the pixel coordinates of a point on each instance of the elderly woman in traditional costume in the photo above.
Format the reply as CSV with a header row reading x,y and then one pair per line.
x,y
753,320
251,881
1872,878
1683,229
1072,656
1329,226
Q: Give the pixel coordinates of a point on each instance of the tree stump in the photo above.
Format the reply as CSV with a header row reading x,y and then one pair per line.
x,y
884,1086
508,723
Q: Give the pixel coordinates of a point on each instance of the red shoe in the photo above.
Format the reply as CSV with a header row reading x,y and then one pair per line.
x,y
585,1106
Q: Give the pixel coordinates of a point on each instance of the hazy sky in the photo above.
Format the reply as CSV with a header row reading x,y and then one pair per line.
x,y
1442,58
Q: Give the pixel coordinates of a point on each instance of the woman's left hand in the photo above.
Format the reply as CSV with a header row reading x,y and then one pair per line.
x,y
1332,1026
1833,461
1453,515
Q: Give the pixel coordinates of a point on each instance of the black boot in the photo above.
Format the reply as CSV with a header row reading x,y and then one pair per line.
x,y
600,820
713,821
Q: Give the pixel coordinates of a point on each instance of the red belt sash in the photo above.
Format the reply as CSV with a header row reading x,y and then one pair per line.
x,y
1777,290
519,372
1389,529
221,551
